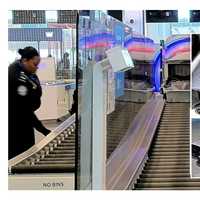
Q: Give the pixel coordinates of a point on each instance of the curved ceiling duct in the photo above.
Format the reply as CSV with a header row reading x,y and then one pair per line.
x,y
140,48
103,39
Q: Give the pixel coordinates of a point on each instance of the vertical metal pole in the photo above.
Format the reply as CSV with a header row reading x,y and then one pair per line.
x,y
143,22
161,60
38,43
73,52
61,46
77,162
86,129
98,130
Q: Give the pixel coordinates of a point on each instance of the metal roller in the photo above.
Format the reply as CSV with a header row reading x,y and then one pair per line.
x,y
169,158
118,123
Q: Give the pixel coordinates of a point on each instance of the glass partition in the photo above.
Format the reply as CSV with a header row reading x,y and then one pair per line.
x,y
122,99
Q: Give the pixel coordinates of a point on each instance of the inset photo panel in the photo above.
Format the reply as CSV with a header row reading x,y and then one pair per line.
x,y
195,112
42,81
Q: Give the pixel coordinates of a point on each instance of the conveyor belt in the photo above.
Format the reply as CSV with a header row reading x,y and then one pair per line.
x,y
119,121
58,156
168,163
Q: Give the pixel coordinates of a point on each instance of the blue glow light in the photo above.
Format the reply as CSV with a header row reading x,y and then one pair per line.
x,y
156,73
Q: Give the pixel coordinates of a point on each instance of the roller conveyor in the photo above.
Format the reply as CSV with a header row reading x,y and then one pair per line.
x,y
167,167
57,156
118,122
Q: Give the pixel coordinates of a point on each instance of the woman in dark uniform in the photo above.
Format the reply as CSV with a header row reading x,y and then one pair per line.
x,y
24,98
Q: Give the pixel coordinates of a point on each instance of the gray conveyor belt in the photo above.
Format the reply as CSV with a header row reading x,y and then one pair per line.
x,y
57,156
119,121
167,167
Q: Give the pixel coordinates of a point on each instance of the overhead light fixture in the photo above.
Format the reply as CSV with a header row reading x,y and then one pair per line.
x,y
49,34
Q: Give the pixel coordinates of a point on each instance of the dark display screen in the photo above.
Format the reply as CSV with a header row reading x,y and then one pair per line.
x,y
29,17
67,16
194,15
161,16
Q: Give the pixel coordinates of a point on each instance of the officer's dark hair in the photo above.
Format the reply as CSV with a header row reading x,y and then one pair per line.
x,y
28,53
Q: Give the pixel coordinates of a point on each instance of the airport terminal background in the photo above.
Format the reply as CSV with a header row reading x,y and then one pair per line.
x,y
131,70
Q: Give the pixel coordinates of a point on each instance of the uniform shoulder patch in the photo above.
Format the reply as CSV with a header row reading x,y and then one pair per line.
x,y
22,90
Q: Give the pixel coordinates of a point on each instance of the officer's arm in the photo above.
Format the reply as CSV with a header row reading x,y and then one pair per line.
x,y
39,126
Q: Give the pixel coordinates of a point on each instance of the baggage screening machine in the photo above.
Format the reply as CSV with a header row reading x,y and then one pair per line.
x,y
98,91
138,86
176,71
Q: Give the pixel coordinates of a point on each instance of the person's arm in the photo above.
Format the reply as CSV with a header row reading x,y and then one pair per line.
x,y
74,104
39,126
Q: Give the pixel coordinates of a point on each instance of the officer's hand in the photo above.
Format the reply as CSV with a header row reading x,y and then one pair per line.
x,y
46,131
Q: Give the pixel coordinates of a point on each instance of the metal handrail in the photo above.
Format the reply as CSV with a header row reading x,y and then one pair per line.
x,y
129,156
